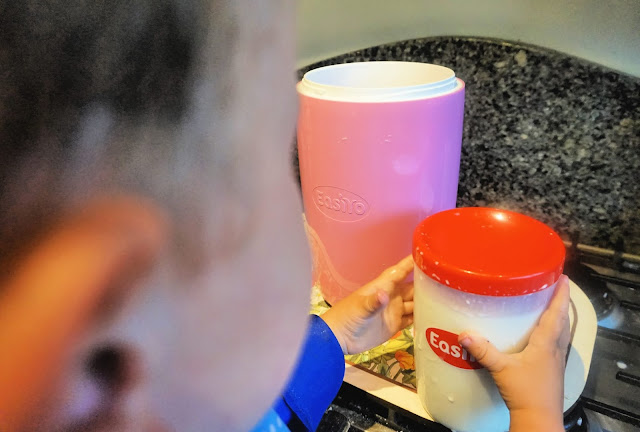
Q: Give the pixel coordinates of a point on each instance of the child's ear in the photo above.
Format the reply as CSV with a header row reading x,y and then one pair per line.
x,y
55,291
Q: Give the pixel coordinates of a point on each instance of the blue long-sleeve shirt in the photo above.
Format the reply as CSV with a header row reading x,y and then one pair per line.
x,y
313,385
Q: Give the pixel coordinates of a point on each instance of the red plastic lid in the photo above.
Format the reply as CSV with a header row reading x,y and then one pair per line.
x,y
488,251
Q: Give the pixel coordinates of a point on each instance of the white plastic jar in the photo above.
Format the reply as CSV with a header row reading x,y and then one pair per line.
x,y
482,269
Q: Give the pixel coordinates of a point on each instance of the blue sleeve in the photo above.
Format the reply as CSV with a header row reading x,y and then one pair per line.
x,y
315,380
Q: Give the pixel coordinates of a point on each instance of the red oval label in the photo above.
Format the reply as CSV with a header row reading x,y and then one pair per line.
x,y
340,204
445,345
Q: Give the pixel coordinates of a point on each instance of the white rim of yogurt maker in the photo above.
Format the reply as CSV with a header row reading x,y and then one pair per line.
x,y
379,81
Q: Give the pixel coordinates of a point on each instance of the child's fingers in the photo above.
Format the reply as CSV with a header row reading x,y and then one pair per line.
x,y
402,289
565,337
407,308
399,272
406,321
553,322
406,291
559,305
484,351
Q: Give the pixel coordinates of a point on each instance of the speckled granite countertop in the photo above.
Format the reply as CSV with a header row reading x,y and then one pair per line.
x,y
545,134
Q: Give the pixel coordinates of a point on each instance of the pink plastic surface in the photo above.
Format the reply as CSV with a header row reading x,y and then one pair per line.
x,y
371,172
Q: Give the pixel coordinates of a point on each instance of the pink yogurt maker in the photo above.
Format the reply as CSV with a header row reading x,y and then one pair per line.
x,y
379,149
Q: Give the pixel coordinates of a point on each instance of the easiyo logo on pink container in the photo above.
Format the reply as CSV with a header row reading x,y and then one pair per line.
x,y
445,345
340,204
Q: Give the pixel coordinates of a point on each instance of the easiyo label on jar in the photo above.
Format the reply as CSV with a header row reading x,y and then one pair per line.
x,y
445,345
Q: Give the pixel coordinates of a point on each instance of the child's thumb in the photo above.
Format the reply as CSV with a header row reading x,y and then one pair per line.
x,y
485,353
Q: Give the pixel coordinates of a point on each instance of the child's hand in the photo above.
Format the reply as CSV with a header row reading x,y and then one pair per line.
x,y
372,314
532,382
